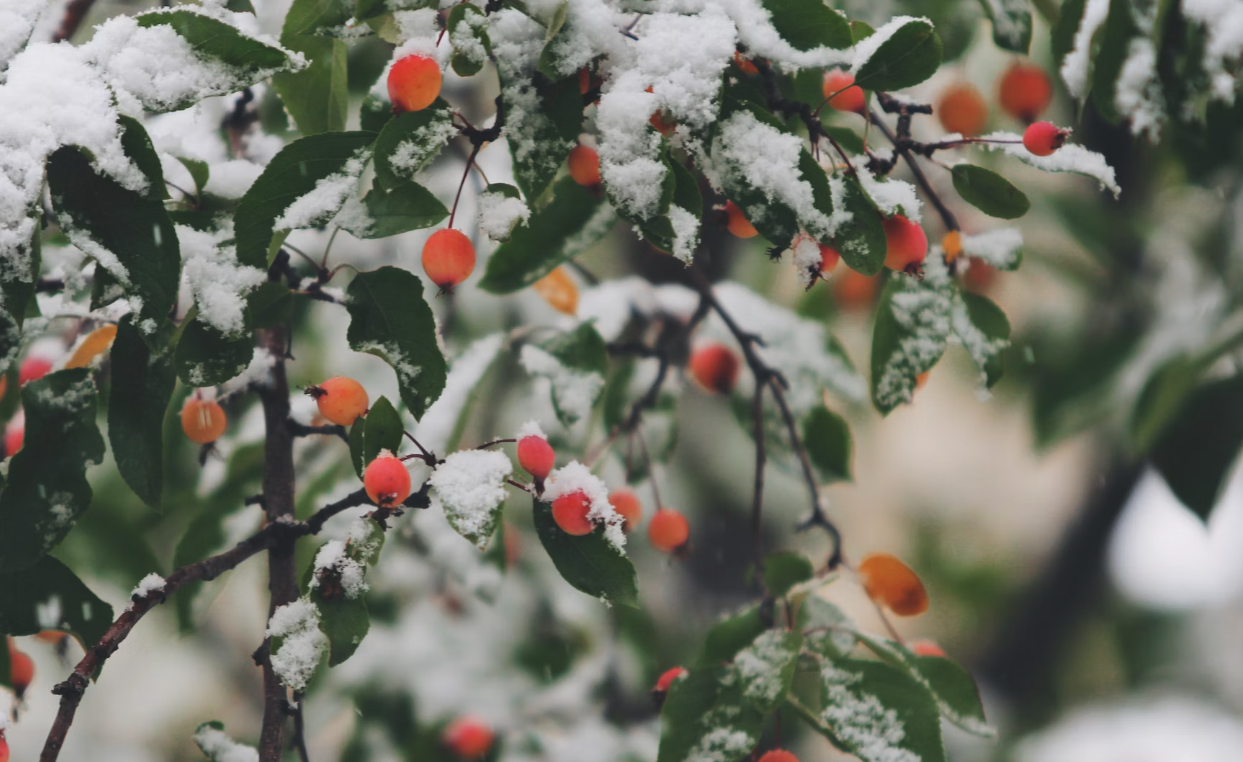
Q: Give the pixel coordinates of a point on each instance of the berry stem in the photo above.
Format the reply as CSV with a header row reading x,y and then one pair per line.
x,y
426,456
757,497
470,161
651,470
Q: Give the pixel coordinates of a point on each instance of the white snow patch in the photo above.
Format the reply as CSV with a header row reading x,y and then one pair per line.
x,y
500,214
575,477
470,485
1068,158
219,747
302,646
575,390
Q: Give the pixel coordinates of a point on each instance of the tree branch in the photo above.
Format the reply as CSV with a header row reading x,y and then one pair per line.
x,y
302,430
904,150
75,12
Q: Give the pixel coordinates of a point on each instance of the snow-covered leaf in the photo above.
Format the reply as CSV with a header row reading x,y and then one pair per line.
x,y
206,357
1111,56
470,485
1071,158
391,211
380,430
217,41
705,717
390,319
411,140
141,386
826,630
861,239
808,24
49,596
989,192
1001,248
468,33
902,53
317,97
501,209
575,363
913,324
827,440
1012,23
47,488
766,668
984,331
589,562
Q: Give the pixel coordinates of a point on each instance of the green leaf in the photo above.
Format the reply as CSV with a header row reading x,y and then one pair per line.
x,y
826,438
1107,62
808,24
909,56
469,36
396,210
49,596
705,716
730,635
1196,450
826,630
142,384
199,171
875,712
984,331
1012,23
346,622
910,334
291,174
415,138
138,147
1162,398
269,305
389,319
846,137
1062,38
206,357
575,362
989,192
861,239
10,346
47,488
783,571
766,668
217,40
99,214
548,131
380,430
318,96
570,222
589,562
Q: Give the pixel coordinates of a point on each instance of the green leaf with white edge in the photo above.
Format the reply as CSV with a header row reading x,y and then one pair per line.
x,y
952,688
317,97
706,717
826,437
468,33
1196,450
1062,36
47,488
808,24
345,621
876,712
390,319
861,239
730,635
382,429
1108,59
206,357
217,746
411,140
293,173
142,385
547,132
49,596
199,171
249,59
910,334
391,211
906,52
826,630
128,233
766,668
575,362
1012,23
783,571
548,59
984,331
589,562
562,228
375,113
139,149
989,192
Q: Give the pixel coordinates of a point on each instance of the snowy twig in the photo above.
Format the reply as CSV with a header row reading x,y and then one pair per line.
x,y
75,12
778,102
902,146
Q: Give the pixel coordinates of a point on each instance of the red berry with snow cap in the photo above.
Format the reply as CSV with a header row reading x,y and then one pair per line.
x,y
1043,138
386,480
570,512
468,738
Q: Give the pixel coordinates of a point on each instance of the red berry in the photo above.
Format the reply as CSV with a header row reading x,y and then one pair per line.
x,y
892,583
927,648
448,258
584,165
1024,91
854,290
203,421
829,257
746,66
413,83
906,243
668,530
468,737
962,110
850,97
4,748
33,369
536,456
666,679
387,481
778,755
626,504
21,669
737,223
341,400
570,512
715,367
1043,138
13,436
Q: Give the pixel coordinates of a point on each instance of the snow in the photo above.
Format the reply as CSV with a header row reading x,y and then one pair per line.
x,y
574,390
685,232
422,144
979,345
867,47
334,558
152,583
755,30
466,40
500,214
923,311
760,666
576,477
1003,13
1077,62
1223,24
231,179
470,485
17,21
438,423
258,373
890,196
871,731
807,259
1138,94
1000,248
302,644
1068,158
219,283
218,747
530,429
326,198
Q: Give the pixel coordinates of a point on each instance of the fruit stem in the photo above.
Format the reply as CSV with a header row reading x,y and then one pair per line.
x,y
470,161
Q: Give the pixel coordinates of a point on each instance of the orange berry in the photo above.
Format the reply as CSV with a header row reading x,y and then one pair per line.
x,y
979,277
661,124
952,244
854,290
92,346
668,530
468,737
570,512
927,648
340,400
666,679
21,669
962,110
13,436
746,66
627,505
922,379
584,166
1024,91
584,81
33,369
715,367
829,257
892,583
4,748
850,97
386,480
906,243
413,83
1043,138
448,258
558,289
778,755
203,421
737,223
536,456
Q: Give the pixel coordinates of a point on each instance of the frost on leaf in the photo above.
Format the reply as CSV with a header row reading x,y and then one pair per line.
x,y
470,485
913,324
302,645
766,667
1069,158
219,282
326,198
872,731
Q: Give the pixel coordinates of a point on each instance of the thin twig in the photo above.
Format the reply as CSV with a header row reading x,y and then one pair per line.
x,y
757,498
298,742
424,454
302,430
75,12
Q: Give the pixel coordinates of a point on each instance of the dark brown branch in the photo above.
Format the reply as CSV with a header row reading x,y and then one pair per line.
x,y
662,351
75,12
778,102
757,497
302,430
904,150
298,742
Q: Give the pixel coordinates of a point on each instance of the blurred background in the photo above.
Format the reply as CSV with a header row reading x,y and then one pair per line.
x,y
1101,616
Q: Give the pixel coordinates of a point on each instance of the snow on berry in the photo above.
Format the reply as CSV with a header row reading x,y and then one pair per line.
x,y
575,477
470,485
